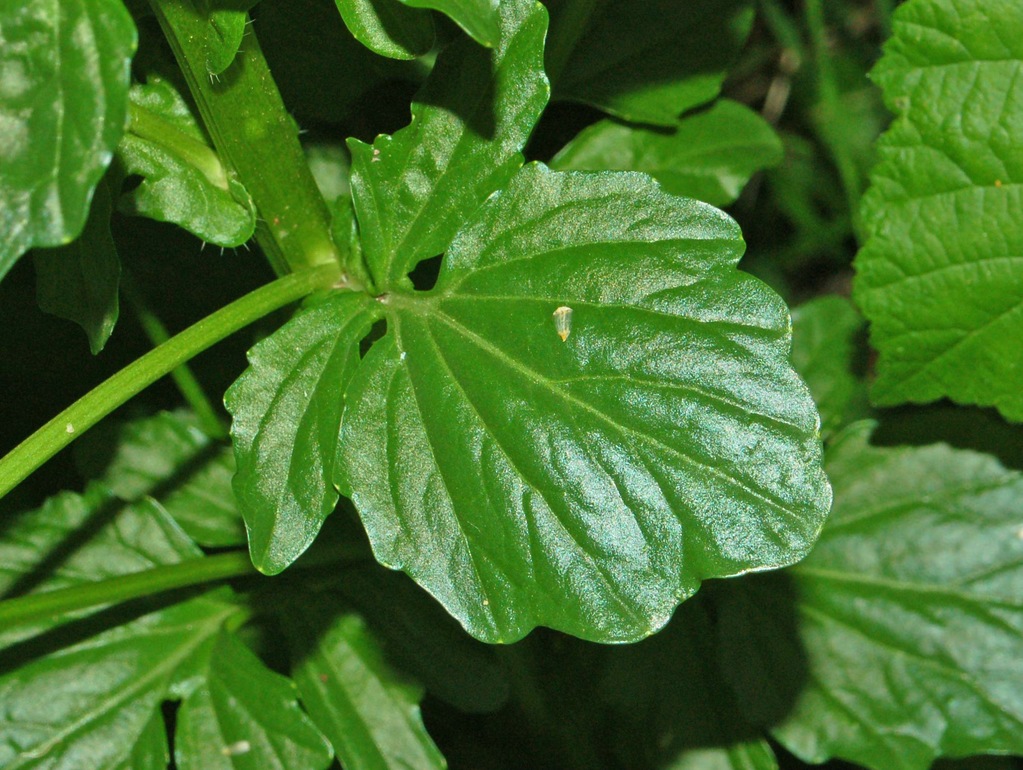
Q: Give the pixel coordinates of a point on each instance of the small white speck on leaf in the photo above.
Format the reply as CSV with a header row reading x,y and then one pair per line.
x,y
563,322
70,428
376,156
236,748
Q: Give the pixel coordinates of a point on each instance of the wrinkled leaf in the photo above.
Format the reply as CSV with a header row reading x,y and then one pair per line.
x,y
910,613
369,713
413,190
169,457
829,352
79,281
64,72
941,277
287,413
709,155
388,27
244,715
647,62
480,18
183,180
590,483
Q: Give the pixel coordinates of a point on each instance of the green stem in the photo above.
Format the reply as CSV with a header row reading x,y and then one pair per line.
x,y
51,604
830,98
110,394
150,126
256,138
188,385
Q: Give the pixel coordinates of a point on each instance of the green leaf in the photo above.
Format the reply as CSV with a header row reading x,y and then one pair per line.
x,y
910,613
88,537
244,715
755,755
940,277
169,457
413,190
79,281
64,72
287,414
480,18
587,483
646,62
227,21
183,180
829,352
388,27
150,751
369,713
709,155
85,695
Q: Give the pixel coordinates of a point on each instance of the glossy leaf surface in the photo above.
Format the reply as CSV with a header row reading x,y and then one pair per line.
x,y
64,71
388,27
79,281
480,18
168,456
287,414
183,180
369,713
708,156
588,484
245,716
910,613
829,352
941,277
646,62
413,190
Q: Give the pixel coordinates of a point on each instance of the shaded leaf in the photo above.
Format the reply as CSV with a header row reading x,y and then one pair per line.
x,y
587,484
413,190
369,713
645,62
64,73
709,155
388,27
910,613
245,716
941,277
169,457
79,281
287,414
829,352
227,20
183,180
480,18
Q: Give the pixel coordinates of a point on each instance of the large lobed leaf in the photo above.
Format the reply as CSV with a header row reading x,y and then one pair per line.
x,y
64,71
941,277
588,484
413,190
910,613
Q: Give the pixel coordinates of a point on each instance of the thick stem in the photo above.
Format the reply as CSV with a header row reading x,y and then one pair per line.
x,y
256,138
110,394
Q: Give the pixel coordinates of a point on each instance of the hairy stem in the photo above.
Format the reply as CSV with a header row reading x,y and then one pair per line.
x,y
256,138
110,394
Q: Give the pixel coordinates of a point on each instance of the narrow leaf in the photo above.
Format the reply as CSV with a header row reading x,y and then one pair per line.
x,y
708,156
79,281
646,62
480,18
370,714
388,27
64,73
941,277
169,457
910,613
183,180
829,352
287,414
590,482
245,716
414,189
